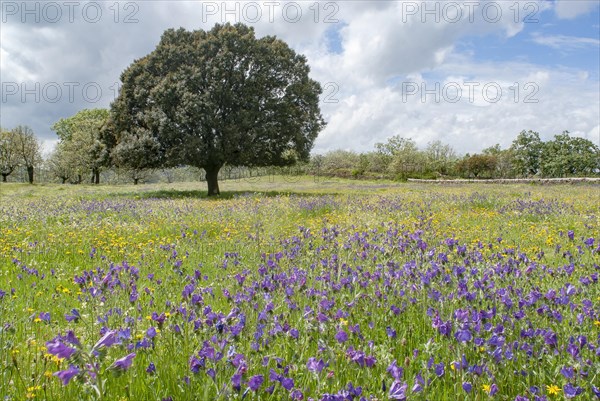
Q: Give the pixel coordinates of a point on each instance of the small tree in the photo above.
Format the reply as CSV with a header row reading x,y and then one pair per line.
x,y
440,157
137,155
9,158
526,150
406,160
59,163
339,163
80,136
477,166
27,148
378,162
504,160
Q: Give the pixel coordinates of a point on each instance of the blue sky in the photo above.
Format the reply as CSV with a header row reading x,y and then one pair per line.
x,y
526,44
374,58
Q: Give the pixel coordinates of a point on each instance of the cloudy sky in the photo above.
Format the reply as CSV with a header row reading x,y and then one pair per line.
x,y
469,73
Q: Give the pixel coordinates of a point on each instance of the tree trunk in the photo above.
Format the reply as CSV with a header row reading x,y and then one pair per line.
x,y
212,175
4,177
97,176
30,174
64,179
135,181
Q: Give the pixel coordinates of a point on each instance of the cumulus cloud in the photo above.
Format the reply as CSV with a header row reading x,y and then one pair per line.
x,y
569,9
363,52
565,42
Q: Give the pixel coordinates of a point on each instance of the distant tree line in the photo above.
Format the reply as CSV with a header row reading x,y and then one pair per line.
x,y
528,156
82,156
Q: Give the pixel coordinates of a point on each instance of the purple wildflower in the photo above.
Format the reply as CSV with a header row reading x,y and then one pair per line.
x,y
463,336
74,316
274,376
572,391
315,366
124,363
151,369
196,364
67,375
255,382
236,381
151,332
439,369
395,371
45,317
287,383
390,332
341,336
398,391
567,372
56,347
70,338
493,389
108,339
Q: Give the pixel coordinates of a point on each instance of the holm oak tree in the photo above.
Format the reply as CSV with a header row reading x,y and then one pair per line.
x,y
211,98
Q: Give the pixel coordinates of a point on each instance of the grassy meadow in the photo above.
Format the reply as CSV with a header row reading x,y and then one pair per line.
x,y
300,288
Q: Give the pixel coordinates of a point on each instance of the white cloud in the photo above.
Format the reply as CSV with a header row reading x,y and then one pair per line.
x,y
546,100
569,9
564,42
383,43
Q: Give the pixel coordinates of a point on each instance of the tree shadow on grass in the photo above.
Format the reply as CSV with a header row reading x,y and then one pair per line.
x,y
202,194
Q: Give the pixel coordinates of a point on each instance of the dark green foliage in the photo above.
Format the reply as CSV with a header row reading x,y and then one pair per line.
x,y
80,150
569,156
477,166
211,98
527,150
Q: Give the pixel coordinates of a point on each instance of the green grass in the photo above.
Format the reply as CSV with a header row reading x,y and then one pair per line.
x,y
297,241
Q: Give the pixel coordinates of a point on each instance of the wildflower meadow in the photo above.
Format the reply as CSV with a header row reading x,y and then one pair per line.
x,y
300,290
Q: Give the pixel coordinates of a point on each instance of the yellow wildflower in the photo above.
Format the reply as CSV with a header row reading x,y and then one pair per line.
x,y
552,389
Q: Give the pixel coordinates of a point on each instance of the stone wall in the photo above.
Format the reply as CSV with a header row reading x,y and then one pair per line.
x,y
545,181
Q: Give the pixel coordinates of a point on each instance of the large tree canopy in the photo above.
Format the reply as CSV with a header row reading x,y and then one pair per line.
x,y
210,98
